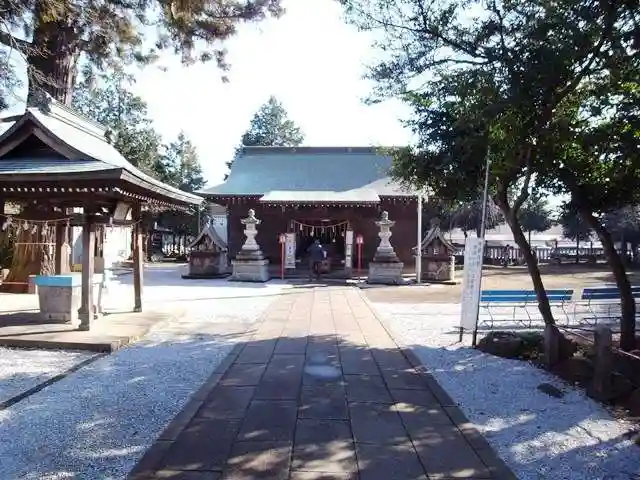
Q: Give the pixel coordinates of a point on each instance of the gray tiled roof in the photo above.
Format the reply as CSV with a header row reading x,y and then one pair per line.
x,y
45,165
84,136
358,173
357,195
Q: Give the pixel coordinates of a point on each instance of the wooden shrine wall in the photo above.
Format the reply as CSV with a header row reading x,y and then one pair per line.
x,y
277,219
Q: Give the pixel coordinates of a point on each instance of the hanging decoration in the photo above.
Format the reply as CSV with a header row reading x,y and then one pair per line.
x,y
18,224
332,230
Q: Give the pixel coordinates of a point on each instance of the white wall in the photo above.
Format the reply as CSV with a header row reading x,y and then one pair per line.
x,y
117,245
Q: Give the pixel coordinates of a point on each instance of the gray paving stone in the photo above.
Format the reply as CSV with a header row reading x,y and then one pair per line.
x,y
240,375
226,402
177,475
291,346
325,402
367,388
331,457
269,421
258,460
260,352
358,361
377,424
415,397
316,431
203,445
298,475
445,453
404,379
384,462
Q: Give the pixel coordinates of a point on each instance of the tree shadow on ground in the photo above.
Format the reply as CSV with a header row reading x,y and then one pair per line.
x,y
318,403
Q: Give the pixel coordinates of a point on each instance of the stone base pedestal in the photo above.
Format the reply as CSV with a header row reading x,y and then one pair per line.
x,y
250,270
387,273
205,264
60,297
439,269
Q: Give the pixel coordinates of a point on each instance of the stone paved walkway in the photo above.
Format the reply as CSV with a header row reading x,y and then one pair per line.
x,y
320,391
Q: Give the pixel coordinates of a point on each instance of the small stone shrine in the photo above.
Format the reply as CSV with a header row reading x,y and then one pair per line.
x,y
437,256
208,257
250,265
385,268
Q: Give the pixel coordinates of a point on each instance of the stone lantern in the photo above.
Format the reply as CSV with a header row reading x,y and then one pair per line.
x,y
385,267
250,264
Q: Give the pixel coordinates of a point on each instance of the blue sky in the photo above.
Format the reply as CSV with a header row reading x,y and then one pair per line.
x,y
309,59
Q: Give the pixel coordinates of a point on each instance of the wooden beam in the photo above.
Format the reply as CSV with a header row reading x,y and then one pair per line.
x,y
138,257
85,313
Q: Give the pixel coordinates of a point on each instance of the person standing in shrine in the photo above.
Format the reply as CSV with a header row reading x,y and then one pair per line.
x,y
317,255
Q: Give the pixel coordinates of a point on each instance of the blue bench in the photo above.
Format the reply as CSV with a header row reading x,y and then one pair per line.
x,y
520,299
601,301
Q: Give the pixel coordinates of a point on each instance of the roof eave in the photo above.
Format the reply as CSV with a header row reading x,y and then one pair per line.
x,y
183,198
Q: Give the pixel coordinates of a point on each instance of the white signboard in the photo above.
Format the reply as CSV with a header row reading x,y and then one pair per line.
x,y
290,250
348,249
473,256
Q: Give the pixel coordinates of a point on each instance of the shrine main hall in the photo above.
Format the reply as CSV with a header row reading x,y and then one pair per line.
x,y
333,194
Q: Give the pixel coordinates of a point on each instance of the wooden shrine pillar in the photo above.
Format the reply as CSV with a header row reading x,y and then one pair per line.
x,y
61,259
85,313
138,257
1,207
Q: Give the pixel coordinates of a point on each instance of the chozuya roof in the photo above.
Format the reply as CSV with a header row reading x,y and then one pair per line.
x,y
79,150
435,232
209,232
326,174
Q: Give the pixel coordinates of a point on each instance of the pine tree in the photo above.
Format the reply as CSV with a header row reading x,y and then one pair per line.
x,y
101,34
126,117
270,127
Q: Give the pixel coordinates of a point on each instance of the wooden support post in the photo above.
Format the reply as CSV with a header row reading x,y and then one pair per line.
x,y
601,387
61,239
85,313
1,208
138,257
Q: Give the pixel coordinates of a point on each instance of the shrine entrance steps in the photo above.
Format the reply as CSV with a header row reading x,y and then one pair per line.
x,y
320,391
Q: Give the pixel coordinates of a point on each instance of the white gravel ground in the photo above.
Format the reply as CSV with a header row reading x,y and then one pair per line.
x,y
22,369
538,436
97,422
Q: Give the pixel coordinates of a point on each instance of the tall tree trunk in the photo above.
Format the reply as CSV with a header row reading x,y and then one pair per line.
x,y
532,264
52,61
627,302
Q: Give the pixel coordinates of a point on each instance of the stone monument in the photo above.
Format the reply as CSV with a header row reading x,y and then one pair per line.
x,y
385,268
437,255
250,264
208,256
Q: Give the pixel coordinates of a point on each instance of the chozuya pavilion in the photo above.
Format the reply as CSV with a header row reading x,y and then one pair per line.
x,y
60,166
334,194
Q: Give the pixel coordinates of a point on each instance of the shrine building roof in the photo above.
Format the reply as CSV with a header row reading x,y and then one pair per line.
x,y
310,174
51,143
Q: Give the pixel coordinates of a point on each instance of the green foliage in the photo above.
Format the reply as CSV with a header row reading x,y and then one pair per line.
x,y
180,166
271,127
573,226
126,117
111,33
624,224
535,216
468,216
